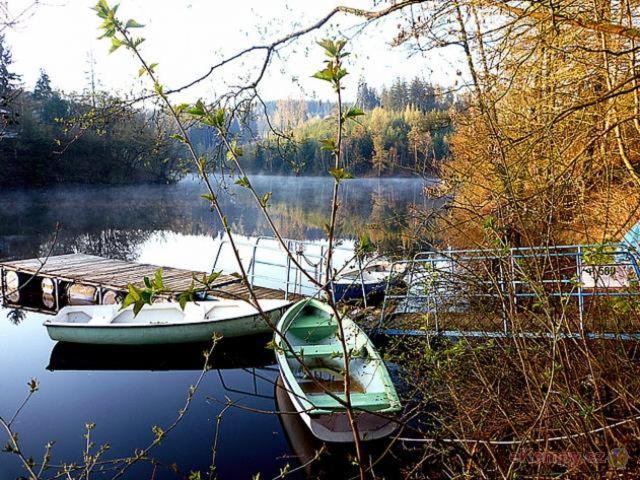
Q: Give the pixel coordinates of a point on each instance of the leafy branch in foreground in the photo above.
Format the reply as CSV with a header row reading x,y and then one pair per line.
x,y
154,288
114,28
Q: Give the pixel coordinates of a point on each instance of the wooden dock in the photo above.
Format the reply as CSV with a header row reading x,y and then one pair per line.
x,y
48,284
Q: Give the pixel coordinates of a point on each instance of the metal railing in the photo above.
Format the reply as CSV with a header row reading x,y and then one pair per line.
x,y
457,281
269,265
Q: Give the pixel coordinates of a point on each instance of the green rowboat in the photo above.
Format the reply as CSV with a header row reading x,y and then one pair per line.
x,y
312,332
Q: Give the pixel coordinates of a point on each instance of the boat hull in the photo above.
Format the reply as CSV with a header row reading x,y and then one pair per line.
x,y
343,292
163,333
335,427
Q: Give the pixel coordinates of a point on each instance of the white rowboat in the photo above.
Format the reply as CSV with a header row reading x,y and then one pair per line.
x,y
162,323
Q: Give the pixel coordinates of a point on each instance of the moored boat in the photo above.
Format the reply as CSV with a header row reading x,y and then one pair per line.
x,y
311,331
162,323
356,284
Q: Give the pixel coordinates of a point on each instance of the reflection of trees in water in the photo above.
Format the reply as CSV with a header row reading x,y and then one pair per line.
x,y
16,316
120,244
113,221
391,222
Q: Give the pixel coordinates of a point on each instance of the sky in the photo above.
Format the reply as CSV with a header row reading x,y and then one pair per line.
x,y
186,37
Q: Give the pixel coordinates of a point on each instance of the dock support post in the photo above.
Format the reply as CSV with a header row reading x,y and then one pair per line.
x,y
3,285
56,290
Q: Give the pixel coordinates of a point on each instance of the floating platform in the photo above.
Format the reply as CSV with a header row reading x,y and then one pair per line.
x,y
48,284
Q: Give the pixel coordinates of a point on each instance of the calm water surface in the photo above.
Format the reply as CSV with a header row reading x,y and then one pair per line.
x,y
128,391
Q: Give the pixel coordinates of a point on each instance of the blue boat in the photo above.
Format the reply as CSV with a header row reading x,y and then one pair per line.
x,y
372,280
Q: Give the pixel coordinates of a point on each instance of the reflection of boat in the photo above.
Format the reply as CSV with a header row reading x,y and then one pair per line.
x,y
246,352
312,331
162,323
304,445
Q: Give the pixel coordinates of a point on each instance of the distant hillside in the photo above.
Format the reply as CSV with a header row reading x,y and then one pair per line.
x,y
403,132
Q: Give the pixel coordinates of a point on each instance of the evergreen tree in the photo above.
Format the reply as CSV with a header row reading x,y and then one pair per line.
x,y
398,96
43,89
8,79
367,96
8,84
422,95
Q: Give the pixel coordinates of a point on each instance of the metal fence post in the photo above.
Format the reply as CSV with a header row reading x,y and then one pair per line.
x,y
286,287
580,293
361,274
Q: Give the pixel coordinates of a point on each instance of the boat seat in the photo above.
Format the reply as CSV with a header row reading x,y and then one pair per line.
x,y
313,333
365,401
100,320
317,350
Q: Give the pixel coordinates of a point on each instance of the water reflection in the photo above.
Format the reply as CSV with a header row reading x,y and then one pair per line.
x,y
124,391
116,221
16,316
233,353
321,460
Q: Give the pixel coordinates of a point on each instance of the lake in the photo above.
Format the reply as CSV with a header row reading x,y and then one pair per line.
x,y
125,392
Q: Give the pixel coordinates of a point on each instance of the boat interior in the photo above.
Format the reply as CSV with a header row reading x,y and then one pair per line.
x,y
314,338
162,313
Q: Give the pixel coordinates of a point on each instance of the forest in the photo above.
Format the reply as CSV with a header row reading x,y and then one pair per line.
x,y
511,304
48,136
403,132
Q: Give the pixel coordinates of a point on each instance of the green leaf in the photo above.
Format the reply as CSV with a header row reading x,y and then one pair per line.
x,y
158,279
353,112
115,44
264,201
214,276
147,282
146,296
180,107
158,88
131,23
208,196
328,45
216,119
234,151
134,292
328,144
197,110
340,174
102,8
177,136
339,74
182,300
243,182
128,300
142,70
326,75
137,307
365,245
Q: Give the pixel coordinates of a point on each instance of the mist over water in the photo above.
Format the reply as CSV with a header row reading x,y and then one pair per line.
x,y
117,221
127,391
